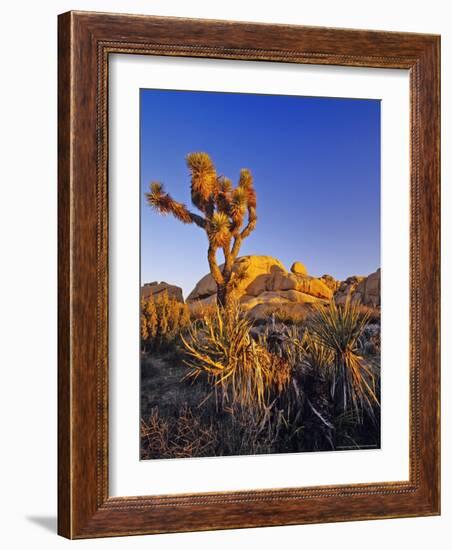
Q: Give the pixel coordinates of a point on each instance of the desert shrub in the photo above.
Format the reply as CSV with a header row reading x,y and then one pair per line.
x,y
242,372
353,381
163,319
182,436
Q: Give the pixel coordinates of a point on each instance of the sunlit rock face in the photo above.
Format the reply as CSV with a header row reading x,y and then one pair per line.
x,y
299,269
265,284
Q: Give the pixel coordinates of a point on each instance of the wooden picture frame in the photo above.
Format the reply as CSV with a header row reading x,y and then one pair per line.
x,y
86,40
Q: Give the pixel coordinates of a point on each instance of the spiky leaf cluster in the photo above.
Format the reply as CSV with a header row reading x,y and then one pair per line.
x,y
203,179
165,204
219,230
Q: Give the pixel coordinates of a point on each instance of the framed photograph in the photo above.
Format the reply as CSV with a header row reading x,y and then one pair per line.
x,y
248,275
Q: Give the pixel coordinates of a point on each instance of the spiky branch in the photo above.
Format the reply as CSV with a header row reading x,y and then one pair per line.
x,y
229,214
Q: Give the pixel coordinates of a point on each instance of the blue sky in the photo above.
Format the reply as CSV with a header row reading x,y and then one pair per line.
x,y
316,168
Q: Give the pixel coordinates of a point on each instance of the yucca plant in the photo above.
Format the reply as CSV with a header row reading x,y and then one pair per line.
x,y
242,372
224,209
316,357
352,379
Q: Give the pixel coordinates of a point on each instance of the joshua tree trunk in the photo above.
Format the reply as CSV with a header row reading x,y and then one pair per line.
x,y
223,280
223,294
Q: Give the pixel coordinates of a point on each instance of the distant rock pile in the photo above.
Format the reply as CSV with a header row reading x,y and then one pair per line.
x,y
155,288
363,290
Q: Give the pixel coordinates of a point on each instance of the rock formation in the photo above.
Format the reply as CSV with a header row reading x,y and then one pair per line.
x,y
251,268
154,288
330,282
368,291
266,286
347,288
363,290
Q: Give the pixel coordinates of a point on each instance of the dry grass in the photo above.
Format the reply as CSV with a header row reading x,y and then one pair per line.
x,y
184,436
194,433
199,311
248,433
286,314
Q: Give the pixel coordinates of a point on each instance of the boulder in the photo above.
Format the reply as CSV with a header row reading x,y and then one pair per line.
x,y
314,287
361,290
280,281
266,279
330,282
252,268
281,298
302,297
369,290
299,269
155,288
347,288
204,288
259,285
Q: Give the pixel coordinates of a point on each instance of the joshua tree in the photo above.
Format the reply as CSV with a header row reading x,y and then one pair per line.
x,y
224,208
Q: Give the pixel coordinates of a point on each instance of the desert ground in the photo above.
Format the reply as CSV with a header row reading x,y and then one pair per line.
x,y
291,364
